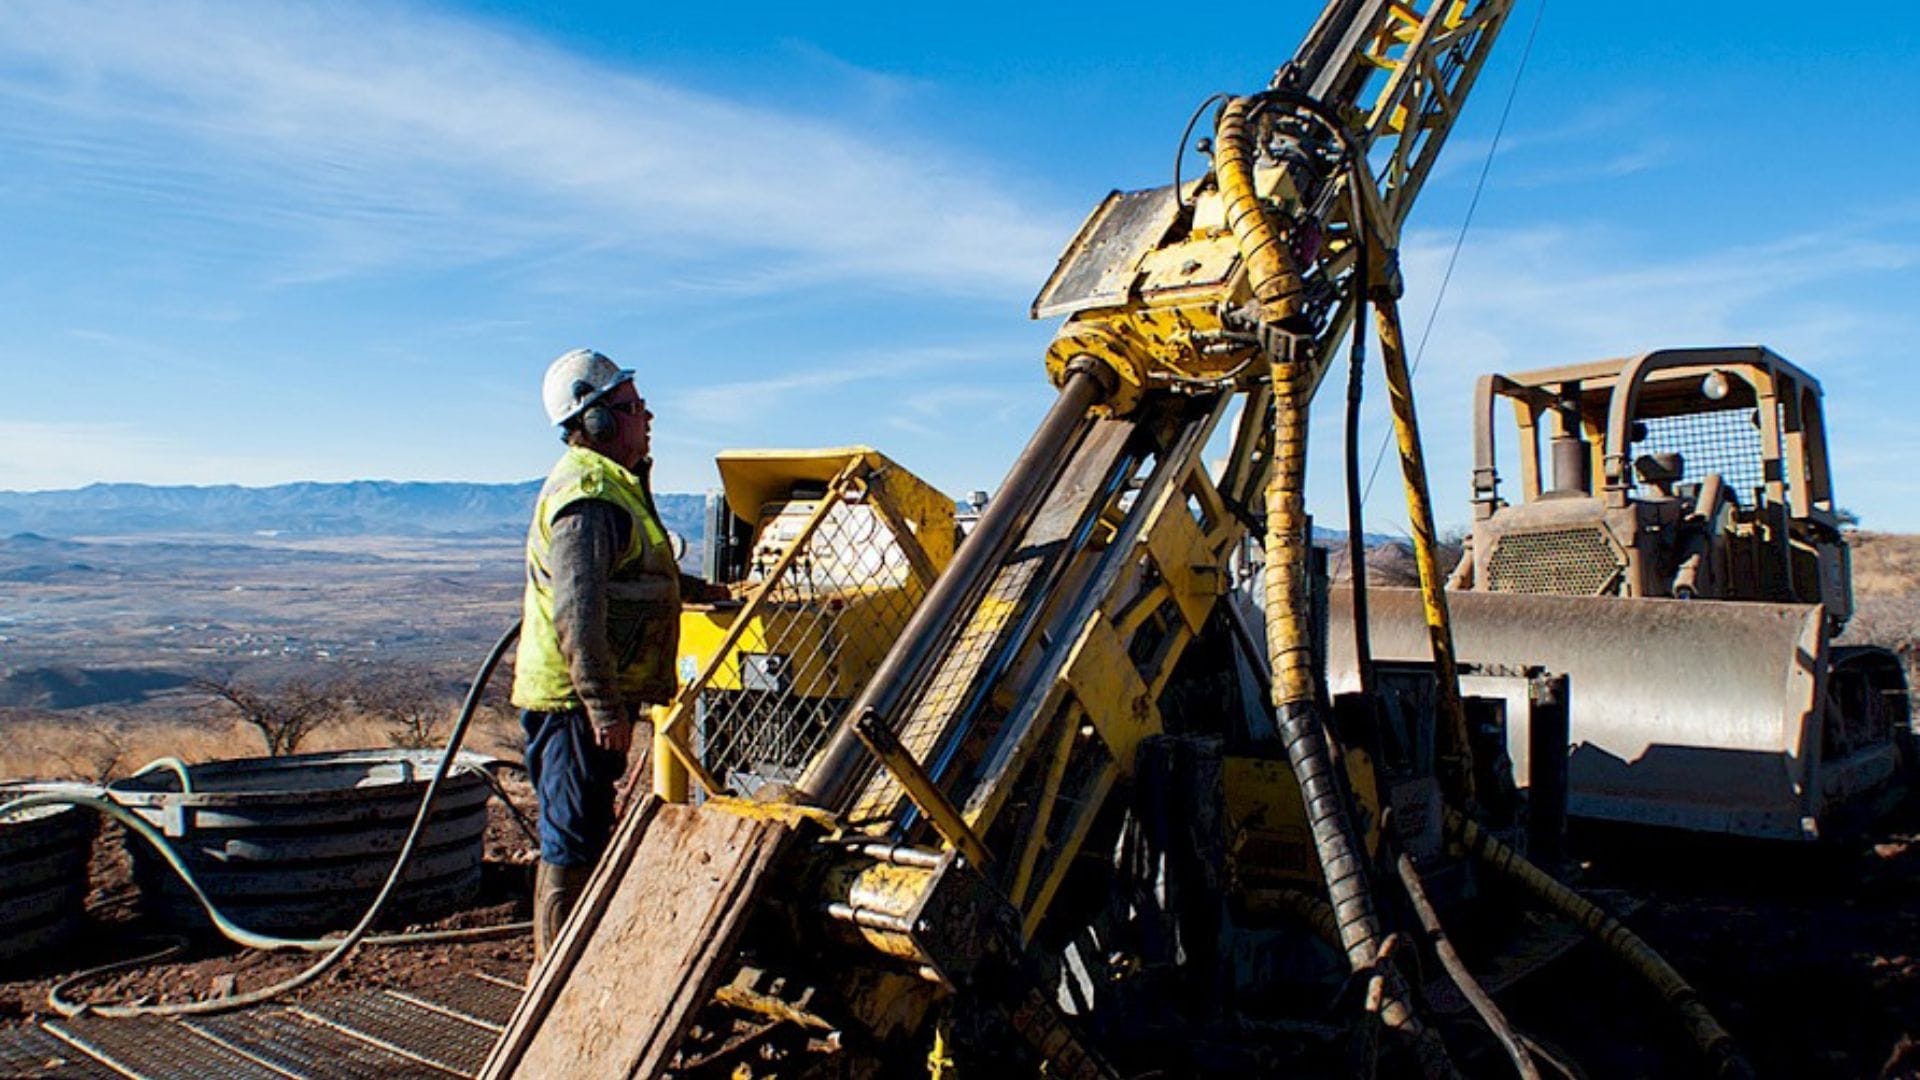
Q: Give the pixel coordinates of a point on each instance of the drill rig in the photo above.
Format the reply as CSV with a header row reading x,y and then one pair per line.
x,y
1019,803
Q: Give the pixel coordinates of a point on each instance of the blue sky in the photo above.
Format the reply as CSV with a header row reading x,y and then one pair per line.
x,y
260,242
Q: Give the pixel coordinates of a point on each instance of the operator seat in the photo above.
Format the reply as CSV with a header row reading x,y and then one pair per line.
x,y
1660,472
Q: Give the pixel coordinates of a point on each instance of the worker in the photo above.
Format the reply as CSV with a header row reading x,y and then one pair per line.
x,y
599,626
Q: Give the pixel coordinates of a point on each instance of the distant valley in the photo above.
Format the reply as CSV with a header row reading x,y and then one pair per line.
x,y
115,597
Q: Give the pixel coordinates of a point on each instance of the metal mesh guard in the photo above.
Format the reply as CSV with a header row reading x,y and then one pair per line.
x,y
827,619
1560,562
1724,441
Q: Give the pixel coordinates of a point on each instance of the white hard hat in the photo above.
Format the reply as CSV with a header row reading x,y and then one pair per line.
x,y
577,380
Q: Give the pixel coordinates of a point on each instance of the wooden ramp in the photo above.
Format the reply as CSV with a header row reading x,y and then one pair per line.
x,y
645,948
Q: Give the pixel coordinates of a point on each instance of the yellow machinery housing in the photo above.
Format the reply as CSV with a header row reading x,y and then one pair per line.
x,y
842,545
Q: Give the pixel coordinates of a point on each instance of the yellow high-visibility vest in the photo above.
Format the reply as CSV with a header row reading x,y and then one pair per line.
x,y
643,594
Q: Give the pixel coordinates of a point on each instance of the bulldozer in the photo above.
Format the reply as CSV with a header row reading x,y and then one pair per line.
x,y
1038,801
1676,551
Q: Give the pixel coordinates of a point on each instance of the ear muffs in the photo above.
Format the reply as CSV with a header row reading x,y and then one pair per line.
x,y
599,423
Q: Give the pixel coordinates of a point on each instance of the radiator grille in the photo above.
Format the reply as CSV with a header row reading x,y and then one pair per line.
x,y
1560,562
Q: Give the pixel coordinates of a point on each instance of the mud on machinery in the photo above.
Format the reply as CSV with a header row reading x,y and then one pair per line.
x,y
1038,800
1679,556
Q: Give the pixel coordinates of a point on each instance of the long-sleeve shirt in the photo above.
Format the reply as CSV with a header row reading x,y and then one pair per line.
x,y
588,537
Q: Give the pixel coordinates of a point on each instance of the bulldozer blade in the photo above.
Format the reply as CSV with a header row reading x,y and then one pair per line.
x,y
1692,714
645,948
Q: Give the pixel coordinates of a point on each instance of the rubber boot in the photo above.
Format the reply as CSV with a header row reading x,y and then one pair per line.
x,y
555,890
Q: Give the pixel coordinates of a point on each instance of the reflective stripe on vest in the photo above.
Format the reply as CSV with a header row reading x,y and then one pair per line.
x,y
643,594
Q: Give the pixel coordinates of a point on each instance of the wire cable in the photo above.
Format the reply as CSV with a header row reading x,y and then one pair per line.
x,y
1180,152
1459,241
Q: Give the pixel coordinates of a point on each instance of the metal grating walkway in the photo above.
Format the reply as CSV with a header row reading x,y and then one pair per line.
x,y
437,1032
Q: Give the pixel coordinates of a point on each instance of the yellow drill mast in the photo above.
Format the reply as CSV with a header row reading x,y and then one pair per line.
x,y
949,825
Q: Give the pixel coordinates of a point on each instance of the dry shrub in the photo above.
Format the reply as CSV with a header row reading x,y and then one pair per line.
x,y
1885,565
283,715
53,746
57,746
97,753
415,710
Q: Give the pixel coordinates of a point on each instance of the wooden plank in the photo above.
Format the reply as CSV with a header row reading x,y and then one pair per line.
x,y
647,950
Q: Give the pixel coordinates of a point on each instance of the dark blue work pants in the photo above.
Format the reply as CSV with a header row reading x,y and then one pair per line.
x,y
574,781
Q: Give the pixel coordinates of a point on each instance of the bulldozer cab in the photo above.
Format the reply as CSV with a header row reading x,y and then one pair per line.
x,y
1677,473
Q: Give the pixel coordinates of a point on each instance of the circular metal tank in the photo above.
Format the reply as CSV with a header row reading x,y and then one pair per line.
x,y
302,843
44,854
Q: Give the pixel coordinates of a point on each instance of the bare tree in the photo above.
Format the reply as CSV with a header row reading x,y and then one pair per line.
x,y
95,754
284,715
410,702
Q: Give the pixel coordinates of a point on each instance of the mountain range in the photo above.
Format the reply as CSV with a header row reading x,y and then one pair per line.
x,y
395,508
357,508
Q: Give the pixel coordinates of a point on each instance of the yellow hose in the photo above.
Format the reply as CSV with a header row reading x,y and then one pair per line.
x,y
1458,751
1276,287
1715,1044
1274,279
1289,630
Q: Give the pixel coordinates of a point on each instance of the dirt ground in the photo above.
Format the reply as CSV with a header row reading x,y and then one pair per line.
x,y
215,968
1810,958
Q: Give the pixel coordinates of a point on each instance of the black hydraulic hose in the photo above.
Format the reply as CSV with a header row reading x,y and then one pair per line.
x,y
1356,501
1350,892
1276,285
1181,152
1457,970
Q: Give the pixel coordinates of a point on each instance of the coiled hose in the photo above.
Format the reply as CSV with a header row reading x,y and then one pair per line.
x,y
336,948
1716,1045
1276,285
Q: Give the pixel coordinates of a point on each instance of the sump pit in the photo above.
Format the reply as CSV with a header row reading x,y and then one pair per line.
x,y
302,843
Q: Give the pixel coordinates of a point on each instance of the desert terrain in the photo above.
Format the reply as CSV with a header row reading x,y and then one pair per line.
x,y
108,645
115,649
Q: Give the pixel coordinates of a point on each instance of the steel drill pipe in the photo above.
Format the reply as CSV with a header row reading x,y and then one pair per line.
x,y
830,779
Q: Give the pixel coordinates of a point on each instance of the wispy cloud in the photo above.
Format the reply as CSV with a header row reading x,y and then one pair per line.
x,y
879,90
1537,297
1603,141
62,454
861,376
381,135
